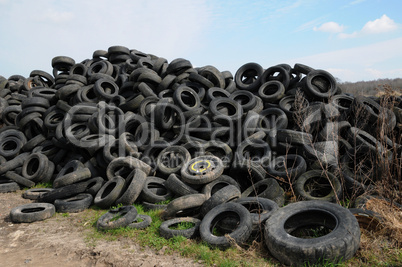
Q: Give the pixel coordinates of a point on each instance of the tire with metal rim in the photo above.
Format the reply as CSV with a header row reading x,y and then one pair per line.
x,y
202,170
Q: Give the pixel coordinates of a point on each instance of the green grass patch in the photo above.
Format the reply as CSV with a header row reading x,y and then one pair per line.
x,y
40,185
150,237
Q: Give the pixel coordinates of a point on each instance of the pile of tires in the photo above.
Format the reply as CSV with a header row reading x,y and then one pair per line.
x,y
128,127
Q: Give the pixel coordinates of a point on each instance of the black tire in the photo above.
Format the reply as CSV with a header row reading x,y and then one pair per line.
x,y
214,216
189,233
171,159
247,174
195,171
155,191
126,162
215,92
226,194
219,149
283,76
109,192
359,138
8,186
141,222
253,150
225,110
74,204
186,98
338,245
272,91
94,185
14,163
318,185
289,167
213,75
134,185
35,167
65,191
302,68
267,188
34,193
320,84
178,187
294,137
293,107
245,98
72,177
125,215
19,179
247,77
32,212
10,146
153,206
224,180
188,205
260,209
270,120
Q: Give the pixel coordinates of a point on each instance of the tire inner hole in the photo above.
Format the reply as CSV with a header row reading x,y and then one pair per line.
x,y
310,224
31,210
318,187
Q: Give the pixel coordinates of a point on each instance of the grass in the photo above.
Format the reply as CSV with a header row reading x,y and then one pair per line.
x,y
254,255
40,185
377,249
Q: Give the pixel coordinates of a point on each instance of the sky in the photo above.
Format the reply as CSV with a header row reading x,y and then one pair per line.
x,y
355,40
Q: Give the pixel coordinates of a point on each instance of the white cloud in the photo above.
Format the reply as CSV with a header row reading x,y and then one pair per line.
x,y
331,27
358,63
383,24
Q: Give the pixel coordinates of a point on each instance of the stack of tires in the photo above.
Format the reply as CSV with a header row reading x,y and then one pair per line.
x,y
226,150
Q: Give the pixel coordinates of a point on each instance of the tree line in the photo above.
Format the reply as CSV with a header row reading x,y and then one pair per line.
x,y
372,88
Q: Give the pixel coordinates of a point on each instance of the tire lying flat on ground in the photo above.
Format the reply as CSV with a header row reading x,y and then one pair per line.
x,y
32,212
339,240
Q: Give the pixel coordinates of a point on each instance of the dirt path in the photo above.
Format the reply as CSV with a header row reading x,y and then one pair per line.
x,y
59,242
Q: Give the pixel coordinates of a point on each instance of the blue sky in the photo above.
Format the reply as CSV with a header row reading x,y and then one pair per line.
x,y
355,40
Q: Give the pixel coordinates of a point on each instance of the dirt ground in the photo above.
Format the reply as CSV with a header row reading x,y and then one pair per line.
x,y
59,242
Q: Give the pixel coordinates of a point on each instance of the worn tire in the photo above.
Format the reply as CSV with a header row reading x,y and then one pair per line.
x,y
267,188
194,171
125,215
32,212
239,235
185,205
339,245
74,204
189,233
327,189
